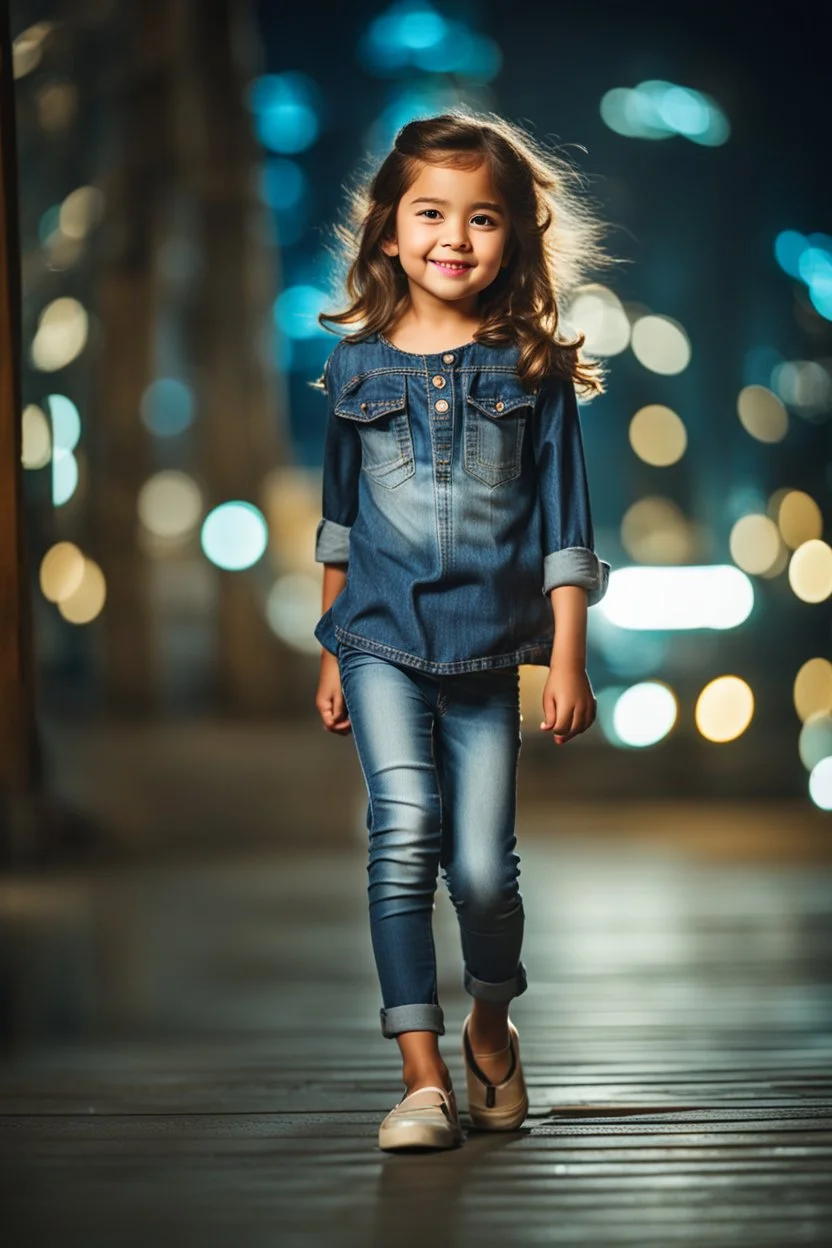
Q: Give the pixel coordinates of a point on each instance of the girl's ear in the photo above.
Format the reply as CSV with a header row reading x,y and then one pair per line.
x,y
389,246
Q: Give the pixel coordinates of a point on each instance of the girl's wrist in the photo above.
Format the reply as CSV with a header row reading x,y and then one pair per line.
x,y
567,661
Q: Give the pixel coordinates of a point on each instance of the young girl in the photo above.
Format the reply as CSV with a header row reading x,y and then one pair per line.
x,y
457,543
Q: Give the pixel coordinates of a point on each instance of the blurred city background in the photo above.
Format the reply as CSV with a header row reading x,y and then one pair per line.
x,y
185,956
181,166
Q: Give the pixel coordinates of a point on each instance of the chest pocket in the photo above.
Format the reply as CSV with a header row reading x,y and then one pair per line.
x,y
378,406
497,411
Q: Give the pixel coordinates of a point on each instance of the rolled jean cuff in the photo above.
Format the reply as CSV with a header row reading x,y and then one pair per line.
x,y
417,1017
496,993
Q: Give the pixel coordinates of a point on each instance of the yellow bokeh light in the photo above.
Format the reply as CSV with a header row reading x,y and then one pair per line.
x,y
57,105
292,506
36,437
661,344
81,209
654,530
762,414
755,544
810,571
657,435
170,504
799,518
724,709
813,688
27,49
61,571
88,599
61,335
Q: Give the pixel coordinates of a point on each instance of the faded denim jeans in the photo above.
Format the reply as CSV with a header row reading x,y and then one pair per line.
x,y
439,756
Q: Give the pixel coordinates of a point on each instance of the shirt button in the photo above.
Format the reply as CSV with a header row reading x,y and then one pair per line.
x,y
498,407
439,381
447,359
442,405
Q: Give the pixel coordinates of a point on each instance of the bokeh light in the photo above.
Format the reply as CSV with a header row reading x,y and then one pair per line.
x,y
66,422
644,714
810,571
87,601
286,110
597,312
656,109
657,435
61,334
81,210
27,48
292,610
820,784
64,476
61,571
170,504
296,311
762,414
724,709
167,407
799,518
234,535
416,35
755,544
36,438
660,344
815,741
654,530
803,384
812,691
717,597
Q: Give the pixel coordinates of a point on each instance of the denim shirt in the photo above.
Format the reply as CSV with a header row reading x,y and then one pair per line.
x,y
457,499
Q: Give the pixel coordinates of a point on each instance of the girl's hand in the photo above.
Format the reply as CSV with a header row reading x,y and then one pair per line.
x,y
329,698
569,705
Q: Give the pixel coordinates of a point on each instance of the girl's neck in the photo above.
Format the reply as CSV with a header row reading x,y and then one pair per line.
x,y
427,337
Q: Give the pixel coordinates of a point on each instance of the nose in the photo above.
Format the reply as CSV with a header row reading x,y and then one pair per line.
x,y
456,236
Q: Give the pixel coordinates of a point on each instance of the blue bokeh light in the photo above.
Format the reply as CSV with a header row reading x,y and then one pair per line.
x,y
657,109
64,476
286,111
66,422
283,184
416,35
789,246
167,407
234,535
296,311
50,221
421,28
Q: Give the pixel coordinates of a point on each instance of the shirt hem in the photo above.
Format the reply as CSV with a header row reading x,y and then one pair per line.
x,y
536,653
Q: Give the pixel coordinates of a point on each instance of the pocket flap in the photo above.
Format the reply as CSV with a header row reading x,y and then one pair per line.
x,y
496,395
366,397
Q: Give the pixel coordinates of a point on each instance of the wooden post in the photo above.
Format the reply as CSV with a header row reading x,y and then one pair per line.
x,y
20,760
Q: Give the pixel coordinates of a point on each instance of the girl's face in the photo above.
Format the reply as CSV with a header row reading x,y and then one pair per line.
x,y
451,233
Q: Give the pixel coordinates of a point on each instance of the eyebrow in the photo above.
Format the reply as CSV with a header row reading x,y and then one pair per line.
x,y
484,203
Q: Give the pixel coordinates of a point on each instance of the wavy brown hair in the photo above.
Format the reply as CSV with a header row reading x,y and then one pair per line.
x,y
555,241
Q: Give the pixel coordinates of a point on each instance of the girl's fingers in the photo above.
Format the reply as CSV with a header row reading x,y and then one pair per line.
x,y
549,710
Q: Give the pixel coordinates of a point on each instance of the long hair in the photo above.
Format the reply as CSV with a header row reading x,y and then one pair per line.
x,y
555,241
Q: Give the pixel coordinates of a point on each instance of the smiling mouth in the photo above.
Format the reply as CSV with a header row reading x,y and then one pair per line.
x,y
452,266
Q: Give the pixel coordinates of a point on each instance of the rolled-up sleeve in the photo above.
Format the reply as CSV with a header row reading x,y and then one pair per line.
x,y
341,468
568,540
